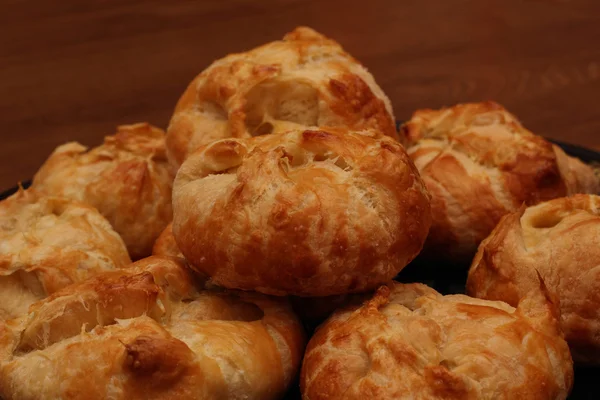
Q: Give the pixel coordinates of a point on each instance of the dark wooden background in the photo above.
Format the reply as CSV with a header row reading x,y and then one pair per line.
x,y
72,70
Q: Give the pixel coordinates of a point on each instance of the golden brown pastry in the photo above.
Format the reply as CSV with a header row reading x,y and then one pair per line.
x,y
47,243
149,332
410,342
308,213
305,80
128,179
311,310
165,245
480,163
559,240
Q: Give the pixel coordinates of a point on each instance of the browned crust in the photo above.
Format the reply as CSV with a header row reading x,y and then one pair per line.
x,y
359,106
411,341
558,240
313,70
148,331
128,179
48,243
165,245
310,213
480,163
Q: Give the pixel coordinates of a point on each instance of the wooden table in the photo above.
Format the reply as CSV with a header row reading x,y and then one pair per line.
x,y
72,70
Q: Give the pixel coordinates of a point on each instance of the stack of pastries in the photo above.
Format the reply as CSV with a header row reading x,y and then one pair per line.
x,y
282,194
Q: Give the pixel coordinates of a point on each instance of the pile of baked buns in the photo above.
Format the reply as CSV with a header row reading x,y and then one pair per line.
x,y
282,194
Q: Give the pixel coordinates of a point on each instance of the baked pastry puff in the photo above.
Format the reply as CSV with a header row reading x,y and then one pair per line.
x,y
128,179
150,331
47,243
559,240
307,212
305,80
410,342
479,163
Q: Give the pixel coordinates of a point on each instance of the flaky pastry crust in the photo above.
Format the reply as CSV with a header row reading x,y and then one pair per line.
x,y
308,213
305,80
559,240
310,310
47,243
165,245
410,342
479,163
128,179
150,332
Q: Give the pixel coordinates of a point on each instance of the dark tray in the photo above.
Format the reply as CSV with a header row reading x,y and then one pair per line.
x,y
584,388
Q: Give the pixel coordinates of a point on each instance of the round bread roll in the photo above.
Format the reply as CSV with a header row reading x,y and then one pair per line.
x,y
559,240
47,243
308,213
305,80
148,332
128,179
410,342
479,163
165,245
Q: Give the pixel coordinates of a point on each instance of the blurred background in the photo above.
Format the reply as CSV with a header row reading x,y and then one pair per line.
x,y
73,70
